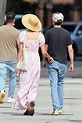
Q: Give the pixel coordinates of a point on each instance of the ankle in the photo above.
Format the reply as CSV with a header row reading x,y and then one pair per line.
x,y
32,103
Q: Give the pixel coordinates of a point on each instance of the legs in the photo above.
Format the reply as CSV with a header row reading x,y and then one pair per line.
x,y
12,83
61,76
27,90
32,95
56,73
12,76
53,75
12,79
3,72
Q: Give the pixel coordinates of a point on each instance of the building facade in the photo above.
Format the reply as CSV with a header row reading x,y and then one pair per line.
x,y
72,9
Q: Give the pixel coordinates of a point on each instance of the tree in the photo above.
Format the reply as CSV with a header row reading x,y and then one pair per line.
x,y
2,11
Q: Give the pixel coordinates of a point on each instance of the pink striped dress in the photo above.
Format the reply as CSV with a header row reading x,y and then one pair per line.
x,y
28,80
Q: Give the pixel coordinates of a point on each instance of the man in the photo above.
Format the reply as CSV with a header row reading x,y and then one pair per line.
x,y
8,56
57,41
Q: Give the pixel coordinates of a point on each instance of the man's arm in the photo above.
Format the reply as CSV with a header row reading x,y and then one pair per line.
x,y
71,56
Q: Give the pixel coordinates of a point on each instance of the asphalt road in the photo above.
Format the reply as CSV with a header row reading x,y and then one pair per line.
x,y
43,108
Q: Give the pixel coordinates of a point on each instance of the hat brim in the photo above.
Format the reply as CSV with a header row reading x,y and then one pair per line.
x,y
26,23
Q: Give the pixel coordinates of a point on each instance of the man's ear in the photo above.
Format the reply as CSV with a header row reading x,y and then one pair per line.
x,y
13,22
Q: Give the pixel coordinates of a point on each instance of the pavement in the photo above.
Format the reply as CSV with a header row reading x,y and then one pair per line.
x,y
43,109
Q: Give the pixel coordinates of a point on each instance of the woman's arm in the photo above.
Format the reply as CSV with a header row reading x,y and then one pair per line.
x,y
20,58
20,51
45,54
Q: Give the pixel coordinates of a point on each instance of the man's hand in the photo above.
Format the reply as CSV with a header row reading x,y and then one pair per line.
x,y
71,68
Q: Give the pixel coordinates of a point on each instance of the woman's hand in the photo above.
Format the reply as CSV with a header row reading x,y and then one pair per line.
x,y
50,60
44,64
17,71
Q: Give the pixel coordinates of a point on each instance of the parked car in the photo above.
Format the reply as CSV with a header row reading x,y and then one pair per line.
x,y
18,23
75,29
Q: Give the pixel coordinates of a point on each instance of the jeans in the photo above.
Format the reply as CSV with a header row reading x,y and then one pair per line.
x,y
56,72
6,67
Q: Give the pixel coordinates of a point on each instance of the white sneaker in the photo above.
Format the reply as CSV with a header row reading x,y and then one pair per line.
x,y
60,111
2,96
55,112
10,100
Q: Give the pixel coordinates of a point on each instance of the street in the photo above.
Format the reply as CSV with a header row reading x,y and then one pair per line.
x,y
43,108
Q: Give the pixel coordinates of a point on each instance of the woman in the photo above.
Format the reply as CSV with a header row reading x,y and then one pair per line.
x,y
28,80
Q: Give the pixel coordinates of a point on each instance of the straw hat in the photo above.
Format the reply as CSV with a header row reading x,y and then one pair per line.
x,y
32,22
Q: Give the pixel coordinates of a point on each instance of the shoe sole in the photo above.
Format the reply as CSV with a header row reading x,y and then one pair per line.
x,y
29,112
10,101
2,97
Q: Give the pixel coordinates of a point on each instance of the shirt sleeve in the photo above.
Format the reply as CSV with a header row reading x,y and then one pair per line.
x,y
22,36
69,41
41,39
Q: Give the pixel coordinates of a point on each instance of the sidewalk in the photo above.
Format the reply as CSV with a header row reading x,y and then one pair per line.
x,y
43,109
